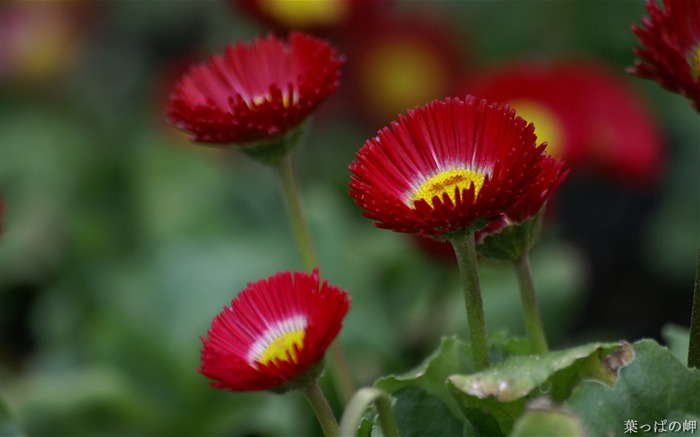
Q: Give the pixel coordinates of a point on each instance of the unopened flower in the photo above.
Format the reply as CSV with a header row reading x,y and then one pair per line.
x,y
275,333
255,93
670,51
446,167
514,232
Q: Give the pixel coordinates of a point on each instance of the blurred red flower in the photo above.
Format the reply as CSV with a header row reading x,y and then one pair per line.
x,y
399,63
588,114
40,41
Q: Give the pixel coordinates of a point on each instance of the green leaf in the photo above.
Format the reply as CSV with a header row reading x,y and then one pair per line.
x,y
418,414
365,428
451,357
677,338
654,387
424,388
493,399
542,418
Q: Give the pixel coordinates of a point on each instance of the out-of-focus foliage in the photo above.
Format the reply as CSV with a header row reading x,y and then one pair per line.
x,y
121,241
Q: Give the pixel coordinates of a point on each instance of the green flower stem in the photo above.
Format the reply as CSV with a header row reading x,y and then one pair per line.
x,y
465,249
323,411
292,200
342,378
531,313
355,411
694,346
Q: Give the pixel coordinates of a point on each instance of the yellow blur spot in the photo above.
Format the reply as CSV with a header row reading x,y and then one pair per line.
x,y
283,348
446,182
398,75
694,61
304,13
547,125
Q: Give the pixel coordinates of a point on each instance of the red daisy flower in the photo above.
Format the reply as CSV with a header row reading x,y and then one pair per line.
x,y
255,92
275,333
446,167
670,52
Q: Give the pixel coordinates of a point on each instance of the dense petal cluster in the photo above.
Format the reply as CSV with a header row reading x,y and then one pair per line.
x,y
586,112
670,52
275,333
552,174
255,92
446,167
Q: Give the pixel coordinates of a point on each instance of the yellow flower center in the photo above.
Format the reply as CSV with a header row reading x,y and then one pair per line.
x,y
547,125
283,348
279,342
694,61
296,13
446,182
401,74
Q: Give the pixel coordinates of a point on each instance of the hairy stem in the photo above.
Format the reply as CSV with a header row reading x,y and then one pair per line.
x,y
465,249
323,411
531,313
694,345
342,378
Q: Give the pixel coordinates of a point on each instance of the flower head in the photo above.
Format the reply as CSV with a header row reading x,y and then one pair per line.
x,y
670,52
275,333
256,92
446,167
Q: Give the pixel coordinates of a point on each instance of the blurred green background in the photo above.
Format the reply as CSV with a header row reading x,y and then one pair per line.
x,y
121,241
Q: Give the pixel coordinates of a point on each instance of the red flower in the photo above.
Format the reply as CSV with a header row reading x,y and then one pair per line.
x,y
256,92
587,114
670,52
275,333
446,167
